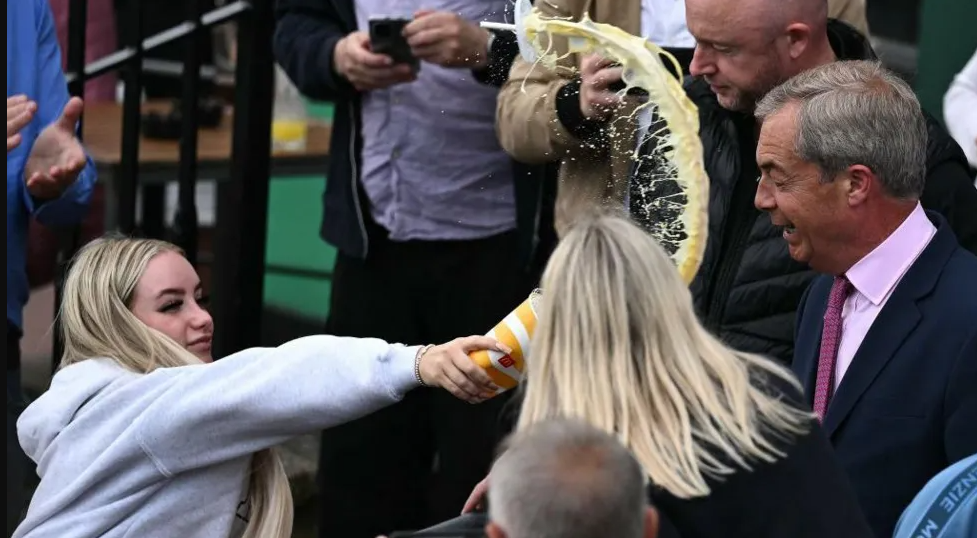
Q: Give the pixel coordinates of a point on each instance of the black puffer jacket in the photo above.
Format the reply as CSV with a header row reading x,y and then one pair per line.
x,y
748,288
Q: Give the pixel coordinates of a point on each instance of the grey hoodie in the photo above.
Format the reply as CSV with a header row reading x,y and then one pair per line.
x,y
167,454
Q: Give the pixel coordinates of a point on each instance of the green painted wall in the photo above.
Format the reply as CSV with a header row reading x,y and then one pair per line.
x,y
294,215
947,39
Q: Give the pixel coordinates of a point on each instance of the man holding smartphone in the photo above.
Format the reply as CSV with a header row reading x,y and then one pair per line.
x,y
434,231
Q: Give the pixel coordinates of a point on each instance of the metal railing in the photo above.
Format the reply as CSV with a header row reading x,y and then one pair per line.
x,y
241,227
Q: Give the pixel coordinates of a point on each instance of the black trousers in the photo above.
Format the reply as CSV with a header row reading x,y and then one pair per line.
x,y
17,462
414,464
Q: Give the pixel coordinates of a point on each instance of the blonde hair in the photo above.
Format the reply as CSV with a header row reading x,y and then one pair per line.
x,y
96,322
619,346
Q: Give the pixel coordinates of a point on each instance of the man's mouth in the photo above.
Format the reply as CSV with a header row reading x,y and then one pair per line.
x,y
712,83
787,226
789,230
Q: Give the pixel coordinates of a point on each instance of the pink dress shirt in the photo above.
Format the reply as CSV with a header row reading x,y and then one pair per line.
x,y
875,277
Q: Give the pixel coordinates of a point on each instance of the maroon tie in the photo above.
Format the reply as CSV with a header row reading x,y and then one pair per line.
x,y
830,339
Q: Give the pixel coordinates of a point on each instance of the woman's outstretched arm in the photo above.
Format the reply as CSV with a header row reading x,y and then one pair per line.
x,y
200,415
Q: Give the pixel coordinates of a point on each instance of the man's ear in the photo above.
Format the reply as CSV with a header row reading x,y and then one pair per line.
x,y
798,39
860,181
651,523
494,531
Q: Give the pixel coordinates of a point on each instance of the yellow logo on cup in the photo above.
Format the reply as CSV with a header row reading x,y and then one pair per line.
x,y
515,331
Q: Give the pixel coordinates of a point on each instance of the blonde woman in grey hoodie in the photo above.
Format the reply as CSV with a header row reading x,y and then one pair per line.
x,y
142,435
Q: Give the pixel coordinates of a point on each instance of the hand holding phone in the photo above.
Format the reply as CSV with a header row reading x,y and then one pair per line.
x,y
387,37
364,68
444,38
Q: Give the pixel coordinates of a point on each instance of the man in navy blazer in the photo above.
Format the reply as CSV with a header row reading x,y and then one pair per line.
x,y
886,339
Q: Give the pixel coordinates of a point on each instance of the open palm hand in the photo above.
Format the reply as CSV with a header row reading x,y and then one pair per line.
x,y
57,156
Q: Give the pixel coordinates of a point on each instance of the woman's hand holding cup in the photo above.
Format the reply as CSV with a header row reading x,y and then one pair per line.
x,y
448,366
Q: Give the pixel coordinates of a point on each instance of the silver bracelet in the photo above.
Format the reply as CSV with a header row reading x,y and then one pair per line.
x,y
417,364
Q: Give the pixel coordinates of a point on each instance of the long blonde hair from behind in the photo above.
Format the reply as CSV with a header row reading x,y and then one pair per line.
x,y
96,322
619,345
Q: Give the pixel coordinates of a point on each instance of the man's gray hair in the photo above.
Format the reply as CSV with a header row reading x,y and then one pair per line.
x,y
567,479
857,112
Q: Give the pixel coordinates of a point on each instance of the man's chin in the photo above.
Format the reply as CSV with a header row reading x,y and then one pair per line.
x,y
798,253
732,101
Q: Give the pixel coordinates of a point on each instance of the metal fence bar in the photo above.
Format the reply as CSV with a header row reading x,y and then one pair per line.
x,y
243,202
122,57
77,43
240,245
185,223
170,68
69,238
127,180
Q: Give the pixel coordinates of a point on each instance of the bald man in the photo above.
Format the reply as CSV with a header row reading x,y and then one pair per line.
x,y
748,288
539,112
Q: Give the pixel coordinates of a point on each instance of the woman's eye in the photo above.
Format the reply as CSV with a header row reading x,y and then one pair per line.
x,y
203,300
171,307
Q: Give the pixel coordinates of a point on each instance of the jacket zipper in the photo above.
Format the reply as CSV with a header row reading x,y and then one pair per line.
x,y
728,258
731,254
355,178
727,273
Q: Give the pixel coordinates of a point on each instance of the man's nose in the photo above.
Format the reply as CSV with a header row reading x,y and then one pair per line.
x,y
764,200
701,63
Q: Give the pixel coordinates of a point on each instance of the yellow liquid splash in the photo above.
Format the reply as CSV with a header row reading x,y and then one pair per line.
x,y
643,68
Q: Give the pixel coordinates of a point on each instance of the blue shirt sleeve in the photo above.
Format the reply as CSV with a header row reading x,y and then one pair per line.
x,y
52,97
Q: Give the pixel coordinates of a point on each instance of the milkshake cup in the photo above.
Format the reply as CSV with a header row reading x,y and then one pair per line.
x,y
516,332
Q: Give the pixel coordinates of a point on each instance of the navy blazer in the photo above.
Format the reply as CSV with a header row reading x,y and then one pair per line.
x,y
907,406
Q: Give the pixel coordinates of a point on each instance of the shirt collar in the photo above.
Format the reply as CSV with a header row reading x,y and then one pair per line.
x,y
876,275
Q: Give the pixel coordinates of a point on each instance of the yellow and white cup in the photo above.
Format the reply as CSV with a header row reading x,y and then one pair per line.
x,y
516,332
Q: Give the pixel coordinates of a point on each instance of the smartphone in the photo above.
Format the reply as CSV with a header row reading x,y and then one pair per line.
x,y
386,37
